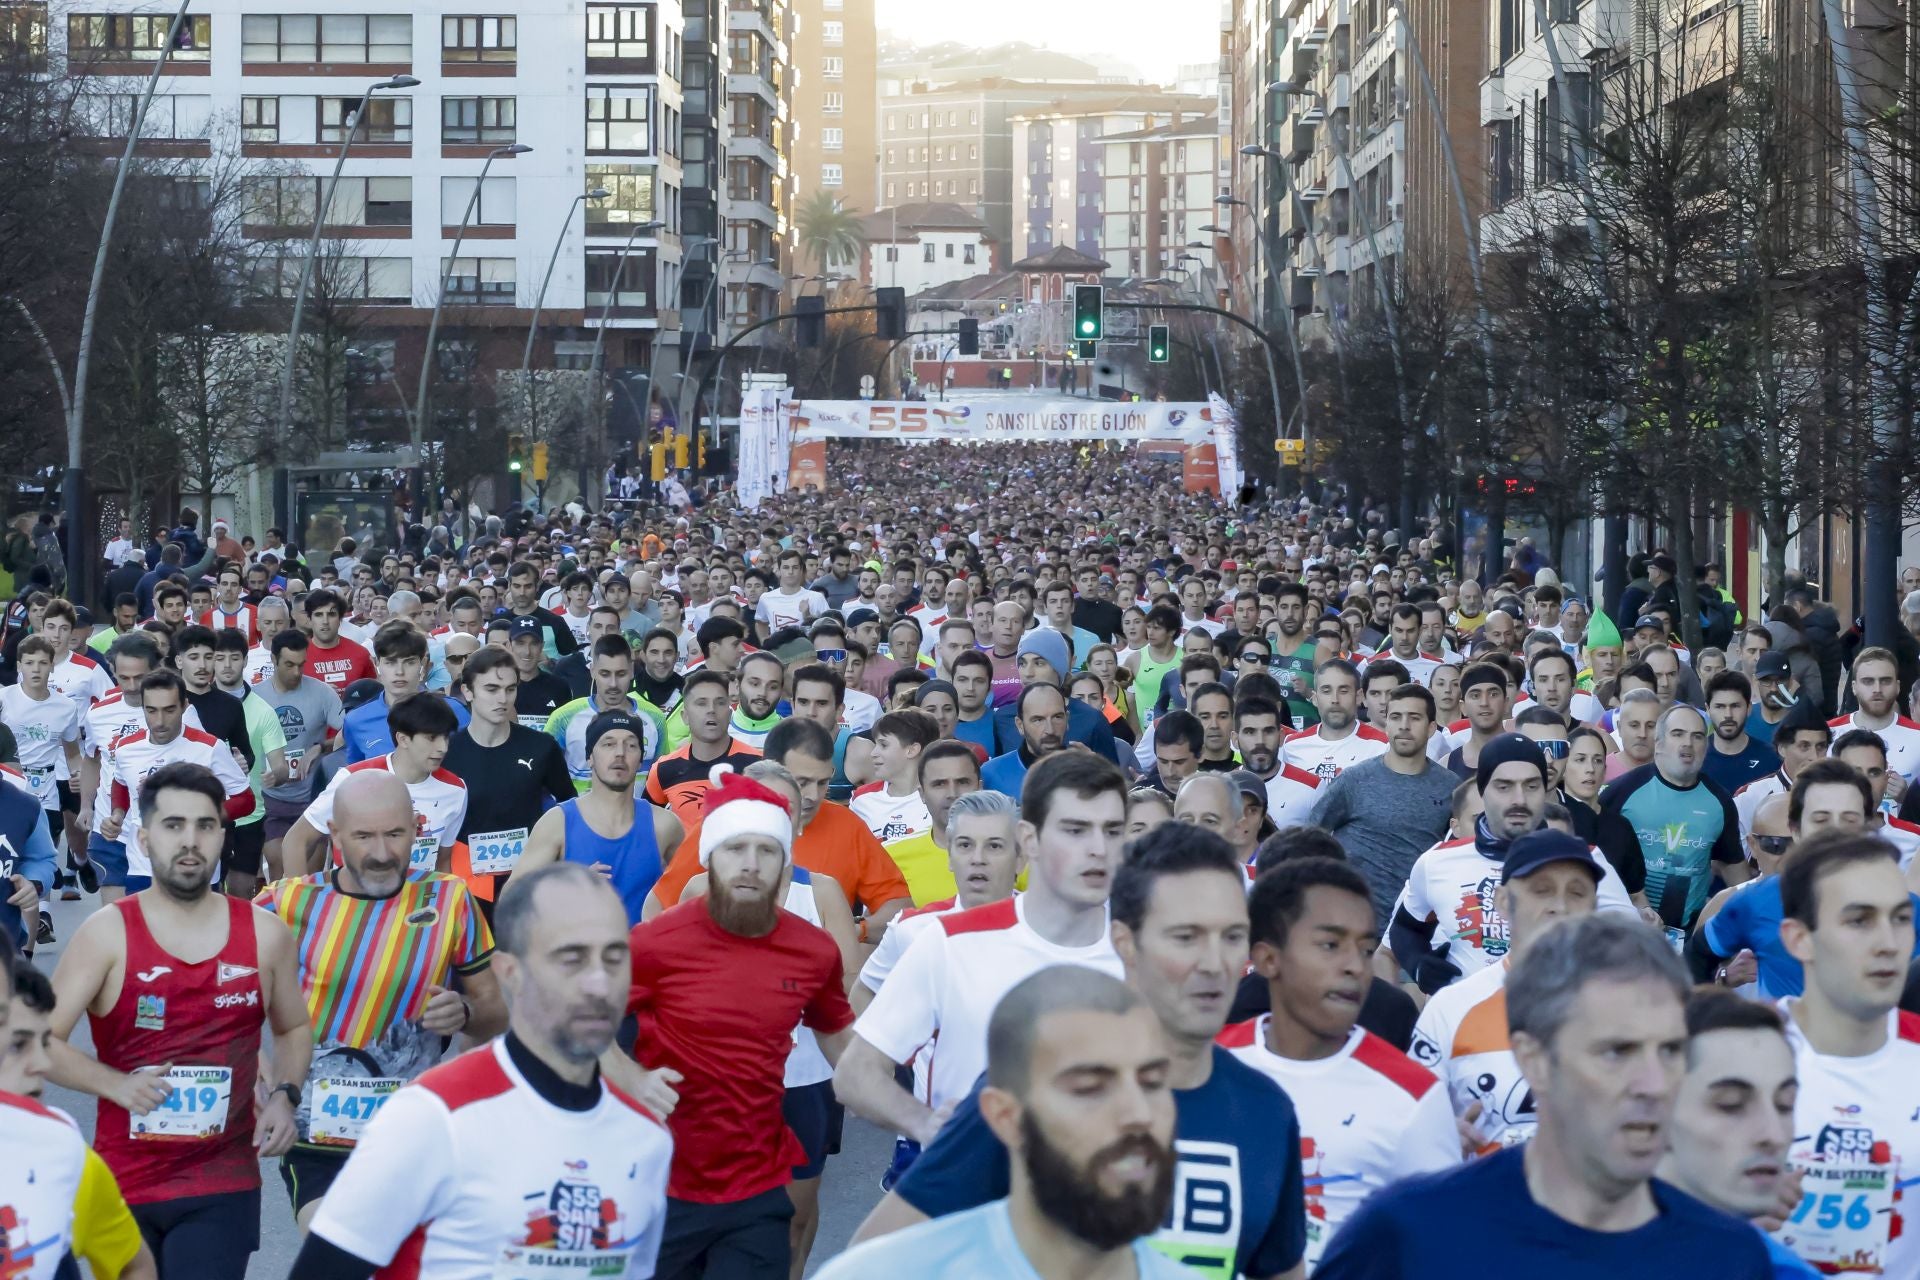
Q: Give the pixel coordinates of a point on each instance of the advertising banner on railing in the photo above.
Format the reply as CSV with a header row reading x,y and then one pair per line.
x,y
995,418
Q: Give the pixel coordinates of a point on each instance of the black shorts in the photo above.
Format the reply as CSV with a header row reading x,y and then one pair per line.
x,y
206,1237
242,852
309,1171
69,798
817,1119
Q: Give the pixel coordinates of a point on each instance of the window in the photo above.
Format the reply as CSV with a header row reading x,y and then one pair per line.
x,y
23,36
968,256
619,119
830,175
260,119
476,120
496,207
893,252
890,154
620,32
389,201
349,38
382,120
949,252
973,187
832,104
891,126
629,195
890,196
973,151
833,68
476,39
833,32
382,280
357,202
171,117
486,282
136,37
625,283
833,139
926,253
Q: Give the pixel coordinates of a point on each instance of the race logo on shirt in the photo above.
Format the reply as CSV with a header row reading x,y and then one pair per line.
x,y
1202,1227
150,1013
1477,924
574,1216
18,1249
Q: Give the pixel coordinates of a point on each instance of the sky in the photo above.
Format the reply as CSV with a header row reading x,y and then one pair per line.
x,y
1152,37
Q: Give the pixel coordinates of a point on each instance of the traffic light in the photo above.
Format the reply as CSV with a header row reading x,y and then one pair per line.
x,y
1089,312
969,337
540,461
1158,343
1086,350
890,313
516,452
811,320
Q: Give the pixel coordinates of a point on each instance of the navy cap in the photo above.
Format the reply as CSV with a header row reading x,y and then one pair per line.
x,y
1770,666
1649,620
526,626
1538,848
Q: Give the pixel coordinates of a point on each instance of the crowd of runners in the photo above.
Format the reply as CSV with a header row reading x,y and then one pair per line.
x,y
1242,891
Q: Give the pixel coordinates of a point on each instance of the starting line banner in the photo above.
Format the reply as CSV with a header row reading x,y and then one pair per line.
x,y
1003,418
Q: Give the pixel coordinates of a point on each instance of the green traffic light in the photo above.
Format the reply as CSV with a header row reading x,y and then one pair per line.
x,y
513,464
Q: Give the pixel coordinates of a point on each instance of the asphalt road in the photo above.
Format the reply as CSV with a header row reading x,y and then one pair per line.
x,y
851,1187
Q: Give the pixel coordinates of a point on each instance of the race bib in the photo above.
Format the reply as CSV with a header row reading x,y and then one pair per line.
x,y
536,723
426,852
342,1108
196,1109
43,785
495,853
517,1262
1844,1219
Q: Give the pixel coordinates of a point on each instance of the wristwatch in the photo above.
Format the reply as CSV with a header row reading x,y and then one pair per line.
x,y
291,1090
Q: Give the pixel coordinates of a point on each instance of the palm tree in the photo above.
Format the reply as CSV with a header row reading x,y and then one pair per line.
x,y
829,232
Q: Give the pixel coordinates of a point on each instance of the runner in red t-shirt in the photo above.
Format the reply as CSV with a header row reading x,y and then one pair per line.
x,y
719,984
331,657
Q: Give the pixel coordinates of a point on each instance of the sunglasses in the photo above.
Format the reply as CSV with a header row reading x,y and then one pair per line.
x,y
1556,749
830,655
1774,845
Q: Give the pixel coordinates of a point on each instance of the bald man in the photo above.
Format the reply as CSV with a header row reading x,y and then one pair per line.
x,y
378,1021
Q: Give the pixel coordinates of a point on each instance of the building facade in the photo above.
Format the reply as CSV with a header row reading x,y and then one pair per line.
x,y
1159,187
756,205
918,247
835,62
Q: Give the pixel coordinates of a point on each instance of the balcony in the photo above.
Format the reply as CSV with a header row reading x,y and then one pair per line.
x,y
1606,25
1313,30
1339,14
1296,138
1338,175
1340,93
1340,256
1311,178
1493,98
1299,59
1313,109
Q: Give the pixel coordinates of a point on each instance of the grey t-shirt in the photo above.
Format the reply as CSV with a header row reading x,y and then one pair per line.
x,y
307,714
1386,820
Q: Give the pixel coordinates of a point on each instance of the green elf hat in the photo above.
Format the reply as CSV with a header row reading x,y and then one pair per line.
x,y
1601,632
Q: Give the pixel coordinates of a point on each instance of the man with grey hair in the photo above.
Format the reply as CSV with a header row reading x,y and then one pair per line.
x,y
1666,828
1209,801
1092,1171
1596,1009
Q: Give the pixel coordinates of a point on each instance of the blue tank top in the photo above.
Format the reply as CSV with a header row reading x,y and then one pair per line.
x,y
634,857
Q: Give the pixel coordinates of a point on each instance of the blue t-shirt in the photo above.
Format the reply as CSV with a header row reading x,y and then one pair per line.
x,y
366,733
1239,1208
1788,1265
1733,772
978,732
1006,774
1479,1220
974,1245
1750,920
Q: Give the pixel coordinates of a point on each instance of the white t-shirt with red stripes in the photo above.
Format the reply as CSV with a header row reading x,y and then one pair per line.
x,y
888,816
1369,1116
1902,738
1328,758
943,991
136,755
439,807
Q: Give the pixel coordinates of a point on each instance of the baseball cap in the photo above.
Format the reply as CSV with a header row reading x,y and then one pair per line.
x,y
527,626
1648,620
1249,785
1537,849
1770,666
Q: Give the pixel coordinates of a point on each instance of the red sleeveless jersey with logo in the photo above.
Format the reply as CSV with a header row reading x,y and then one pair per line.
x,y
205,1015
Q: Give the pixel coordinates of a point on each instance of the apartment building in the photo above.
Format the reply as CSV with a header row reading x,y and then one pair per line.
x,y
955,142
1060,188
757,203
1159,193
594,89
836,63
922,246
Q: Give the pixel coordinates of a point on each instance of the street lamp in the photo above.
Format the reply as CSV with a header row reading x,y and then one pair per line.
x,y
539,300
1293,339
440,298
350,128
73,484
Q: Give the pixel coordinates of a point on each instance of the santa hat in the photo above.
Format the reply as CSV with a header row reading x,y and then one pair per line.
x,y
739,806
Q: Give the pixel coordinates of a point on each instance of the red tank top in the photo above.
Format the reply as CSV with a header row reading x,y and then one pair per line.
x,y
206,1015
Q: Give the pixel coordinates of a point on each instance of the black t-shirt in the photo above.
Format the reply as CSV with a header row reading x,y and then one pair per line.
x,y
573,669
1097,616
1387,1011
564,642
508,785
541,696
664,694
222,716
